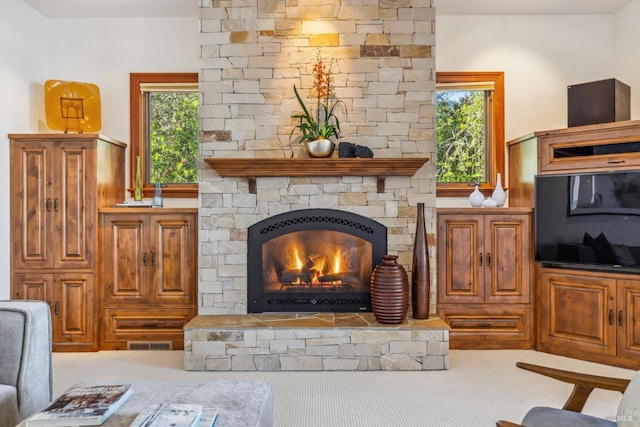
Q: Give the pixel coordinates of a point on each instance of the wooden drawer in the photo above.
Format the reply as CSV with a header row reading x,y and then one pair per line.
x,y
123,326
493,327
593,152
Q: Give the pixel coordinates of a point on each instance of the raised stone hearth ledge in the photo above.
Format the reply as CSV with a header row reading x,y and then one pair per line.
x,y
251,168
314,342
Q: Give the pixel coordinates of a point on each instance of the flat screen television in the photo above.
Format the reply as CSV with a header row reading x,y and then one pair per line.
x,y
588,221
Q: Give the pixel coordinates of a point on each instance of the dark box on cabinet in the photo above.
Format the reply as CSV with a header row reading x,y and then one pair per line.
x,y
603,101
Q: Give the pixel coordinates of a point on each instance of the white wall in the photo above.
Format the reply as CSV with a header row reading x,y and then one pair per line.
x,y
540,55
23,66
626,41
105,51
101,51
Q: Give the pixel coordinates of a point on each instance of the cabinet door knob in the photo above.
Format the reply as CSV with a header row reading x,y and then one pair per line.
x,y
55,308
488,260
480,259
47,205
153,259
611,317
55,204
144,259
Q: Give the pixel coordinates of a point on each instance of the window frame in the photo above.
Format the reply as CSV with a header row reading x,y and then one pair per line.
x,y
496,144
138,120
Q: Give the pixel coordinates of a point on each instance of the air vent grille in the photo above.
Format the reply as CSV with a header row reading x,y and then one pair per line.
x,y
149,345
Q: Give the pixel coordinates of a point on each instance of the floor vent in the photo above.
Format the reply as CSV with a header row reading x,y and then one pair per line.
x,y
149,345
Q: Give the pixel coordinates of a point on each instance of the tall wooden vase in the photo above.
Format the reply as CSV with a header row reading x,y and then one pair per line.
x,y
420,274
389,291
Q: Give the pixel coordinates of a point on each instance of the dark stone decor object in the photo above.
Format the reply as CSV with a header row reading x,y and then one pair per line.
x,y
389,291
351,150
420,275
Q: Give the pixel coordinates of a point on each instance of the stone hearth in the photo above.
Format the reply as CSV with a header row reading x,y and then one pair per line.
x,y
314,342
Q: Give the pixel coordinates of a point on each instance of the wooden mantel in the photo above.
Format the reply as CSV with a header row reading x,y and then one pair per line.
x,y
251,168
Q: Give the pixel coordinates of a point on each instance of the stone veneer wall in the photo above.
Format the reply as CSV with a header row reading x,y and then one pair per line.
x,y
253,52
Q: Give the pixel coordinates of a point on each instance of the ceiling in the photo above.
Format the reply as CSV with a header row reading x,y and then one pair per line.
x,y
183,8
529,7
115,8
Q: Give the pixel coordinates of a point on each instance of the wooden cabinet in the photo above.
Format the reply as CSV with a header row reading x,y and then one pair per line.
x,y
58,182
590,315
149,277
582,149
484,276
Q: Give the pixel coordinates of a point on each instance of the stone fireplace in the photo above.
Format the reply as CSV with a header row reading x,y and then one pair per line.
x,y
313,260
253,53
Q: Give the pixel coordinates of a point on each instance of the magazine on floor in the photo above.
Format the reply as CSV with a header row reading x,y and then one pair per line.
x,y
82,405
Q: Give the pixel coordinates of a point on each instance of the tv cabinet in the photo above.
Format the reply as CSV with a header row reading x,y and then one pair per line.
x,y
590,315
586,314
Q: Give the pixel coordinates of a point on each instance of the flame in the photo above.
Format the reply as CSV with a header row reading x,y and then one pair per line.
x,y
321,265
337,261
297,259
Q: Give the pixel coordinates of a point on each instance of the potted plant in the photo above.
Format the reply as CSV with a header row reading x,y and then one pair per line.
x,y
317,132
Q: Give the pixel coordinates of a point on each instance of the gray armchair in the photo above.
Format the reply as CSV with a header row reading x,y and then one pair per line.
x,y
627,415
25,359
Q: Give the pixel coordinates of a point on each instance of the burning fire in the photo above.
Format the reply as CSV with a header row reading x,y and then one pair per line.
x,y
314,270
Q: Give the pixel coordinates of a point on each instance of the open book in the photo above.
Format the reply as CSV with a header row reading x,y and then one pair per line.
x,y
82,406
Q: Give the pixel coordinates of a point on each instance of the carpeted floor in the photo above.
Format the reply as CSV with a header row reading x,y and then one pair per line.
x,y
479,388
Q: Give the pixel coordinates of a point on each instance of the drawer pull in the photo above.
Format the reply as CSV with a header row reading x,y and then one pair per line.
x,y
620,318
484,325
615,162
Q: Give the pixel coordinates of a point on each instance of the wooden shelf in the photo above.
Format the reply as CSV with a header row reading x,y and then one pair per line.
x,y
251,168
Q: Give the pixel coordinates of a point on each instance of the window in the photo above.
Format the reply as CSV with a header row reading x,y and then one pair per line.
x,y
470,142
164,132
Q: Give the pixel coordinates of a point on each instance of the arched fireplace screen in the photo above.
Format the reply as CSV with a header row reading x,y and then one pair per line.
x,y
317,260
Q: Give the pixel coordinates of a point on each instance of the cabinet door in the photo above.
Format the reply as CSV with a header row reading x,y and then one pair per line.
x,y
74,204
172,251
33,287
460,258
31,205
577,314
628,319
124,257
73,309
507,262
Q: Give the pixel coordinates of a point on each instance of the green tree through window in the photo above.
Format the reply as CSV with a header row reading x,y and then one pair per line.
x,y
461,136
173,141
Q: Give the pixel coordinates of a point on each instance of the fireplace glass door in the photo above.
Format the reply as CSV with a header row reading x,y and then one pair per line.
x,y
319,263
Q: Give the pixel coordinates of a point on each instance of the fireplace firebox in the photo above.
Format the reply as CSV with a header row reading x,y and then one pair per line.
x,y
313,260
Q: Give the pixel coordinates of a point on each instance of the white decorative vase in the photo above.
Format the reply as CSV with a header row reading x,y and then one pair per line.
x,y
499,195
476,198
